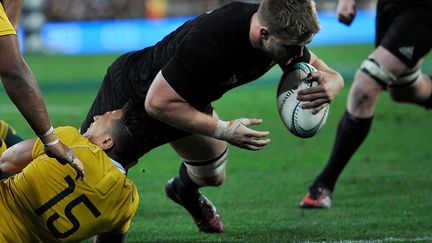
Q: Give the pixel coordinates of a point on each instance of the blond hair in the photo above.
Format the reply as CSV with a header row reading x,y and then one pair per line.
x,y
297,18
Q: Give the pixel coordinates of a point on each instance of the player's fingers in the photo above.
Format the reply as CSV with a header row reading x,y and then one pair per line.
x,y
76,163
79,167
315,103
256,134
312,96
250,121
319,108
256,144
346,19
311,90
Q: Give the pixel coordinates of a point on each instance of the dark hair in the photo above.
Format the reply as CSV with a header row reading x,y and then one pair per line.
x,y
126,149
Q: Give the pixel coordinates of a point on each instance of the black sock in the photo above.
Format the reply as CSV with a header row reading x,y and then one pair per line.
x,y
183,183
350,134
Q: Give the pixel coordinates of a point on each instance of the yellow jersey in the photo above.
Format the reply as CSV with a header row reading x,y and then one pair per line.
x,y
6,27
44,203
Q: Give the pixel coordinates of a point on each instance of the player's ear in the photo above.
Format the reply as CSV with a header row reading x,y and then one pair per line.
x,y
264,33
107,143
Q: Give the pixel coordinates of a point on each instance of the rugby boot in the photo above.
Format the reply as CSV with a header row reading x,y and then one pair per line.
x,y
200,208
318,197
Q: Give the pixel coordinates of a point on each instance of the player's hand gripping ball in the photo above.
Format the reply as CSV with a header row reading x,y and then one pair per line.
x,y
300,122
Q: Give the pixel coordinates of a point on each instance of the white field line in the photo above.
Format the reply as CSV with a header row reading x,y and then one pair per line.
x,y
52,109
389,239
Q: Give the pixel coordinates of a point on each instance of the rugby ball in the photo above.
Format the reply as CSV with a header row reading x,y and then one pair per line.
x,y
300,122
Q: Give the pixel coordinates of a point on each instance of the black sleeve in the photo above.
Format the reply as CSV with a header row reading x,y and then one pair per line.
x,y
193,68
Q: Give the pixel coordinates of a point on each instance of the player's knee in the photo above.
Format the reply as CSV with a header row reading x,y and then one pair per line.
x,y
362,95
387,79
210,172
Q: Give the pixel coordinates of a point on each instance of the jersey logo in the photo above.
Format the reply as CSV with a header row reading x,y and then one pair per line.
x,y
407,51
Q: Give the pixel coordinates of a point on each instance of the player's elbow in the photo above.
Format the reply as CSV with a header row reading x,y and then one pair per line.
x,y
5,166
154,106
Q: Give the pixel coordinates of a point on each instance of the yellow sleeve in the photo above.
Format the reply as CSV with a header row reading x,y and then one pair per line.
x,y
3,147
6,27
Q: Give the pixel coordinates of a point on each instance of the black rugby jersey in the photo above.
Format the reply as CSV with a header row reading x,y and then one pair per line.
x,y
202,59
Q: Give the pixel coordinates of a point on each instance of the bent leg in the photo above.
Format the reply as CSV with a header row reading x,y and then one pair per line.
x,y
353,129
204,160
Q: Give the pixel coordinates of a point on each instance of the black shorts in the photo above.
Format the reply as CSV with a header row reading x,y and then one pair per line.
x,y
114,94
404,29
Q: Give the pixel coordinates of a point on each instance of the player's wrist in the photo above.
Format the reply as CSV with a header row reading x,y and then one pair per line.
x,y
220,130
49,138
225,130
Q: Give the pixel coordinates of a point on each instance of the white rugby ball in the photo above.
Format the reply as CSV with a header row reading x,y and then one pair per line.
x,y
300,122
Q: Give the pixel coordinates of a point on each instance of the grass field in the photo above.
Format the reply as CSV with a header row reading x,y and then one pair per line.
x,y
383,195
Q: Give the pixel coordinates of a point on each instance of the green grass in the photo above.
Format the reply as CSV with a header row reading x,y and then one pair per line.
x,y
384,192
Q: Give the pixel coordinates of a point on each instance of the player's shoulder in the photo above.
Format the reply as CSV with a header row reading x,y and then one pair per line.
x,y
67,129
70,136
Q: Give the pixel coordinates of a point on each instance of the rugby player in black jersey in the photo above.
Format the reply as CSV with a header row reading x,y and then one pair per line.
x,y
173,84
403,38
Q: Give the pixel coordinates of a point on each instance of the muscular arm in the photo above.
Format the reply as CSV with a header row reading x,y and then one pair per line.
x,y
17,157
24,92
21,86
165,104
13,10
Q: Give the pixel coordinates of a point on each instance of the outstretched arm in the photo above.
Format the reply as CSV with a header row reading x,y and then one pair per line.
x,y
17,157
165,104
24,92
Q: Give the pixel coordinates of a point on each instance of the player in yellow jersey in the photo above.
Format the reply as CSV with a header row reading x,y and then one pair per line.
x,y
8,137
45,203
22,88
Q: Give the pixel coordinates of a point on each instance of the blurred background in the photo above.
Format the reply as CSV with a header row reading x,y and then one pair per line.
x,y
383,196
115,26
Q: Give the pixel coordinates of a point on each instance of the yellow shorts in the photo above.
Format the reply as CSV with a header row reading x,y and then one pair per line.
x,y
6,27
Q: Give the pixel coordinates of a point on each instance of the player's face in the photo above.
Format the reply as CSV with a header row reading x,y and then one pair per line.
x,y
102,123
282,49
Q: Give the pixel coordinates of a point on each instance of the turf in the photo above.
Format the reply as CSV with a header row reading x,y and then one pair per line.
x,y
382,196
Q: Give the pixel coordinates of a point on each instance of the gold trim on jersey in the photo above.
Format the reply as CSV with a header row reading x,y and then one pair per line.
x,y
6,27
3,129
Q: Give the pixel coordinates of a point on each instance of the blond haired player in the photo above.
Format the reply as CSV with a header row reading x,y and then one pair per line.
x,y
22,87
57,208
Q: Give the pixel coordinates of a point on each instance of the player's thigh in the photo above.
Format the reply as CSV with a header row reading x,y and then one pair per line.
x,y
370,81
403,89
416,92
405,31
198,147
